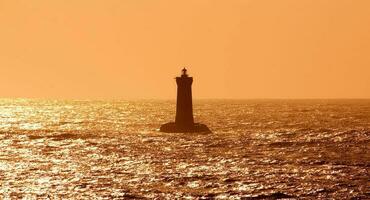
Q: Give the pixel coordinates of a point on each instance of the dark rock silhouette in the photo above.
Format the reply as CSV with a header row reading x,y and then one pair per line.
x,y
184,121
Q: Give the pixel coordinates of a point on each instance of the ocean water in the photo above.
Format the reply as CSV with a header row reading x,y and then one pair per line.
x,y
297,149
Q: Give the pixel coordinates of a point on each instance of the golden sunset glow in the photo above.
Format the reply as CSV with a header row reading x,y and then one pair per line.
x,y
184,99
90,49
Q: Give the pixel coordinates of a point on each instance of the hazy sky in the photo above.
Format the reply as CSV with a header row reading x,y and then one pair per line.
x,y
118,49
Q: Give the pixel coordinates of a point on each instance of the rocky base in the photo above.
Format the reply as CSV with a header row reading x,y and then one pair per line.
x,y
172,128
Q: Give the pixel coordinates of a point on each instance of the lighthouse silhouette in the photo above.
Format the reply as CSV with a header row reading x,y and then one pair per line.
x,y
184,121
184,107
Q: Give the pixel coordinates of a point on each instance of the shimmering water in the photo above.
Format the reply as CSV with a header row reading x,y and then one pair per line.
x,y
258,149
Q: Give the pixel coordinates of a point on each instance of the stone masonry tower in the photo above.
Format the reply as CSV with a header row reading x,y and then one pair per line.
x,y
184,108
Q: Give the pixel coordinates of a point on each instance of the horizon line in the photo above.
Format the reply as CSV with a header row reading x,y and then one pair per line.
x,y
172,99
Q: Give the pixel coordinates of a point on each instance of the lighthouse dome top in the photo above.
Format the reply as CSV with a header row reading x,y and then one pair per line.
x,y
184,72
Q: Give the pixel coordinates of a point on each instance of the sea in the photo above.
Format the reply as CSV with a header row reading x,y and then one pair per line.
x,y
258,149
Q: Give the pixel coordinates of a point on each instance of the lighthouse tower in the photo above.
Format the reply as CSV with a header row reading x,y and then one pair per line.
x,y
184,121
184,108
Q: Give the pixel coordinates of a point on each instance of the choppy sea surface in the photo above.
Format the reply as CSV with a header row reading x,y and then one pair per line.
x,y
259,149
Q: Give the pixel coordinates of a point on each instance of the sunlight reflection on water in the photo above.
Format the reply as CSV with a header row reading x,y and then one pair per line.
x,y
263,149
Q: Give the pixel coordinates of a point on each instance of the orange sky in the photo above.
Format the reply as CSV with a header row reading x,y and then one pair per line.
x,y
119,49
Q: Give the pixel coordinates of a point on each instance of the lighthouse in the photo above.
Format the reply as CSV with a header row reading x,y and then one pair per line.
x,y
184,106
184,120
